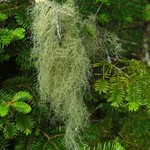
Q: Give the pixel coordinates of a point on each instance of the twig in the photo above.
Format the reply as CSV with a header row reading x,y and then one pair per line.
x,y
57,20
133,43
46,135
108,57
131,28
14,8
56,147
51,137
29,141
45,145
98,9
120,70
109,61
3,148
57,26
58,11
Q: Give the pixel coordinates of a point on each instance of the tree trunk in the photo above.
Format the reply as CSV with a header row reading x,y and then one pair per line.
x,y
145,53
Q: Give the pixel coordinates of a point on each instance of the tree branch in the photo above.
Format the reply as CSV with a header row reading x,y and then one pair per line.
x,y
131,28
98,9
14,8
124,41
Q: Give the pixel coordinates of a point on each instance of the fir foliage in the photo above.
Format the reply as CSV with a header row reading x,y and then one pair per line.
x,y
17,108
124,87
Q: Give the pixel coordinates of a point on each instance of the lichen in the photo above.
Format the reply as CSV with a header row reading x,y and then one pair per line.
x,y
63,65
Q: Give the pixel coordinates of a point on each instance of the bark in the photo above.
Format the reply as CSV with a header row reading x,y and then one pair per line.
x,y
145,53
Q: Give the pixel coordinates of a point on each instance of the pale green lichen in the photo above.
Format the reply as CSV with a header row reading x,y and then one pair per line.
x,y
62,64
63,47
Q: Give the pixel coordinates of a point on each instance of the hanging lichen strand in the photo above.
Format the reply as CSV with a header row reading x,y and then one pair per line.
x,y
62,64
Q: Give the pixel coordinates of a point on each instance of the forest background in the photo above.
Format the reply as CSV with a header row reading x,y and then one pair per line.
x,y
119,97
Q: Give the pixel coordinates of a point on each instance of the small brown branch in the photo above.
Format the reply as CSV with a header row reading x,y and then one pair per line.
x,y
120,70
98,9
110,62
29,141
131,28
46,135
51,137
45,145
14,8
3,148
124,41
58,28
56,147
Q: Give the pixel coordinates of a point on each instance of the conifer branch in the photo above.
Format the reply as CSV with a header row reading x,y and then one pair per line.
x,y
120,70
124,41
29,141
56,147
13,8
110,62
51,137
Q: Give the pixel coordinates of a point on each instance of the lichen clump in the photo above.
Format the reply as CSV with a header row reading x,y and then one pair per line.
x,y
63,65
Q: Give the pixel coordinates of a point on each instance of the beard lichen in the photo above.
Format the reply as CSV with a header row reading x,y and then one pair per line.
x,y
64,45
63,65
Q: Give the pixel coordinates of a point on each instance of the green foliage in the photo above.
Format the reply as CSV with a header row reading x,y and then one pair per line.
x,y
18,83
103,18
4,109
10,130
3,17
17,103
3,143
107,146
21,16
24,123
135,131
21,107
124,87
18,121
4,96
19,33
134,96
22,96
12,32
7,36
147,12
6,9
4,57
117,92
42,140
107,2
102,86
